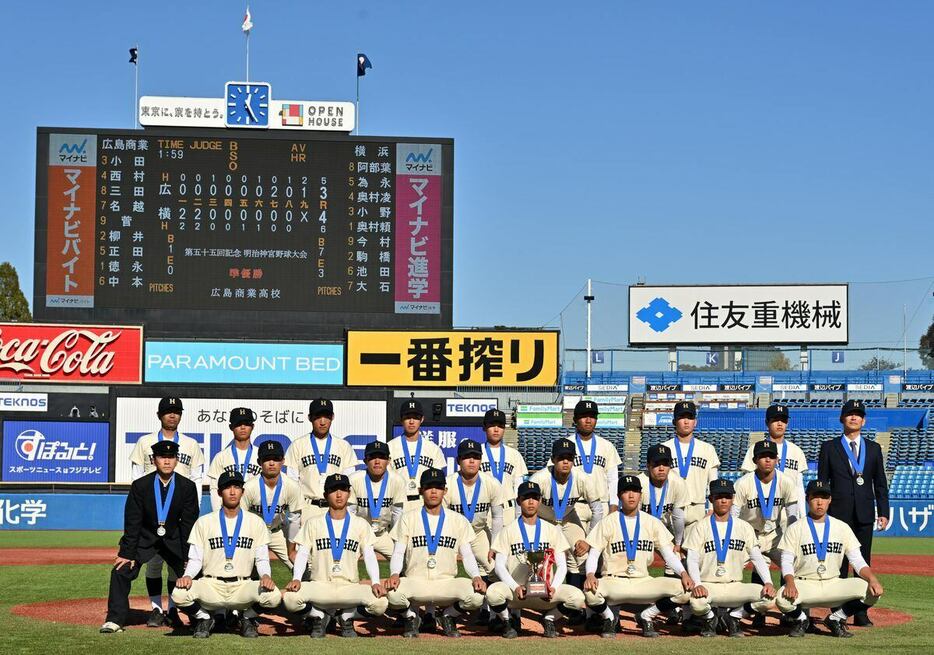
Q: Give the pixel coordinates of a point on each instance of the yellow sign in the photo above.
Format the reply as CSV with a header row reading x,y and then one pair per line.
x,y
452,359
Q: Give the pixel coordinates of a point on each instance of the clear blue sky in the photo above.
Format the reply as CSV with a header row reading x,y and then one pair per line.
x,y
685,142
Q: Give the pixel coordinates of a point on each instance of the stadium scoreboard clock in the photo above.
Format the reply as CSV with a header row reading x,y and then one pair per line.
x,y
243,233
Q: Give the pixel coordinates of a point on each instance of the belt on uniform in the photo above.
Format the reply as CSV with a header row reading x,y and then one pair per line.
x,y
232,579
413,497
275,530
317,502
581,500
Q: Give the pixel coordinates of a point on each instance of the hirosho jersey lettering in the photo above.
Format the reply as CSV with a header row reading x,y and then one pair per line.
x,y
364,502
598,460
518,549
420,541
753,503
242,542
252,470
508,468
644,545
481,507
322,543
735,544
423,460
835,547
308,460
291,499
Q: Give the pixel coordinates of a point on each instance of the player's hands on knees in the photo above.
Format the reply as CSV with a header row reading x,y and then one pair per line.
x,y
520,592
120,562
479,585
790,591
266,583
581,548
687,582
378,590
700,591
875,587
183,582
590,582
768,591
393,582
294,585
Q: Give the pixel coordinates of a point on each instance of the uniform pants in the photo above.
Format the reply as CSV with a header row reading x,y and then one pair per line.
x,y
693,513
725,594
584,513
213,594
616,591
383,545
334,595
573,532
279,546
481,552
118,599
826,593
499,593
443,592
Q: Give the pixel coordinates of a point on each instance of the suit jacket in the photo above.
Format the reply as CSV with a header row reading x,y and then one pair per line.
x,y
140,522
851,502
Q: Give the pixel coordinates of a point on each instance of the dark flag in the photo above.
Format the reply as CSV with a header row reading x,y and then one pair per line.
x,y
133,52
363,62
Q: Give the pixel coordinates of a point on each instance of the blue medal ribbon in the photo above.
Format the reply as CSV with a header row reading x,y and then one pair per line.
x,y
269,511
162,508
858,464
470,509
230,543
766,506
684,463
561,504
337,545
722,547
820,548
321,463
530,547
587,460
246,462
657,509
432,540
497,469
781,460
631,544
376,504
411,464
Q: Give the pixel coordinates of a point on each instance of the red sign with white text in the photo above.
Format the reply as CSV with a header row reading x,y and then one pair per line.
x,y
97,354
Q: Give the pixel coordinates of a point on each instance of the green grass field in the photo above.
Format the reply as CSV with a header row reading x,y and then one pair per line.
x,y
28,584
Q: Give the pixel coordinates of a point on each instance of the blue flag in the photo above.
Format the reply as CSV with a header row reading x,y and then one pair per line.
x,y
363,62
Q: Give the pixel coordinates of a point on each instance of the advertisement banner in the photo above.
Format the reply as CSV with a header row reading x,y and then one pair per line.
x,y
447,437
913,387
699,387
737,387
568,402
66,511
206,420
12,401
244,363
452,358
737,314
468,407
55,451
93,354
910,518
863,387
794,388
607,388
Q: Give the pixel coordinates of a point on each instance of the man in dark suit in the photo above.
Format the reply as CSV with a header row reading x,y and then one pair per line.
x,y
854,467
160,511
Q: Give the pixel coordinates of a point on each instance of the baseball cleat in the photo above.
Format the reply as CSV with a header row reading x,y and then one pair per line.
x,y
709,628
509,632
758,620
110,627
203,628
429,623
248,628
318,626
837,628
799,629
647,627
173,619
550,631
412,625
156,618
608,629
731,623
448,626
346,628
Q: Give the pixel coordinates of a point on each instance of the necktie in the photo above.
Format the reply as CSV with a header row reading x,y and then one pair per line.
x,y
855,451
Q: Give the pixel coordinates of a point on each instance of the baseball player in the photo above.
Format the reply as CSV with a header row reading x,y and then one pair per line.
x,y
664,494
529,533
717,550
503,462
596,456
563,493
697,460
190,465
627,540
333,544
314,456
792,461
380,495
224,548
812,553
411,454
237,455
423,568
277,499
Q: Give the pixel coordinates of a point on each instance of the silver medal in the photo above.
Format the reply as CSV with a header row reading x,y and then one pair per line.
x,y
160,531
432,562
631,569
228,566
768,526
412,485
860,481
336,568
821,569
721,571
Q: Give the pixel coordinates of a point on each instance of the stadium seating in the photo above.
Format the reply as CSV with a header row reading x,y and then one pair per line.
x,y
912,482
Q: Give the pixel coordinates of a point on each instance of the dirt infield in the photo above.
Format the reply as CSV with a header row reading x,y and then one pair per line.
x,y
90,611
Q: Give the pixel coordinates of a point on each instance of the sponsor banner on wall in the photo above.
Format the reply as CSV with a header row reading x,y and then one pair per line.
x,y
909,387
607,388
55,451
737,387
699,387
41,511
468,407
206,420
863,387
568,402
910,518
831,387
651,419
794,388
663,387
447,437
538,416
14,401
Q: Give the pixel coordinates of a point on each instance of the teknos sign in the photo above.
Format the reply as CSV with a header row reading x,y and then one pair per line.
x,y
71,353
468,407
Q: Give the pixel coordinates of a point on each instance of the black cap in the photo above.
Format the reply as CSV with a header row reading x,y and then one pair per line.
x,y
229,478
776,412
494,417
270,450
170,405
165,448
411,408
376,449
685,408
320,407
563,447
658,453
336,481
433,478
241,416
818,487
586,408
468,447
720,487
764,447
628,483
853,407
528,488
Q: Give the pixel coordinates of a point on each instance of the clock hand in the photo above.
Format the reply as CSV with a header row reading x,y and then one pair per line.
x,y
249,107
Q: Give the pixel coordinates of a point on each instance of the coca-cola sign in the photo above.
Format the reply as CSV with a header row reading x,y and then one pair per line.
x,y
98,354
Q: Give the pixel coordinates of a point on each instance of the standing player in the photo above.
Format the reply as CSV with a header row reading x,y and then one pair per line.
x,y
225,547
411,454
423,568
791,459
596,456
190,465
333,544
664,494
277,499
501,461
380,495
529,533
697,460
314,456
812,556
237,456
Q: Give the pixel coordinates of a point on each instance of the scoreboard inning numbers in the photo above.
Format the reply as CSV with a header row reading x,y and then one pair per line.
x,y
325,228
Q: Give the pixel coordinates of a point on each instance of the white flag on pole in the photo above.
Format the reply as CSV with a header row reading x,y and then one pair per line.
x,y
247,21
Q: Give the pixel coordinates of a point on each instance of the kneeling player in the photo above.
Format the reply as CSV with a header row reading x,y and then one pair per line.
x,y
530,534
225,547
812,553
335,583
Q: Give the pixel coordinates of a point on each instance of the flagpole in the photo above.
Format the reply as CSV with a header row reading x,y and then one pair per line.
x,y
136,91
358,104
248,55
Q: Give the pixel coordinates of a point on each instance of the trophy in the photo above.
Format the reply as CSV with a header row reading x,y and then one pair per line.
x,y
540,572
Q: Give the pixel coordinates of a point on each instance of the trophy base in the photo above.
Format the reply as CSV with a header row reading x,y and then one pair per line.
x,y
536,590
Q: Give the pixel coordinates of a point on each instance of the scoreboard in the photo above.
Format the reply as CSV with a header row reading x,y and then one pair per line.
x,y
235,234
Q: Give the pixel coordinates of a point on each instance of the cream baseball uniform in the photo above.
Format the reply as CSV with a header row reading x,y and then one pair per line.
x,y
701,470
422,584
746,506
825,588
380,521
513,569
487,519
676,497
583,489
508,468
796,463
303,464
246,463
219,588
431,457
604,469
335,584
288,512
